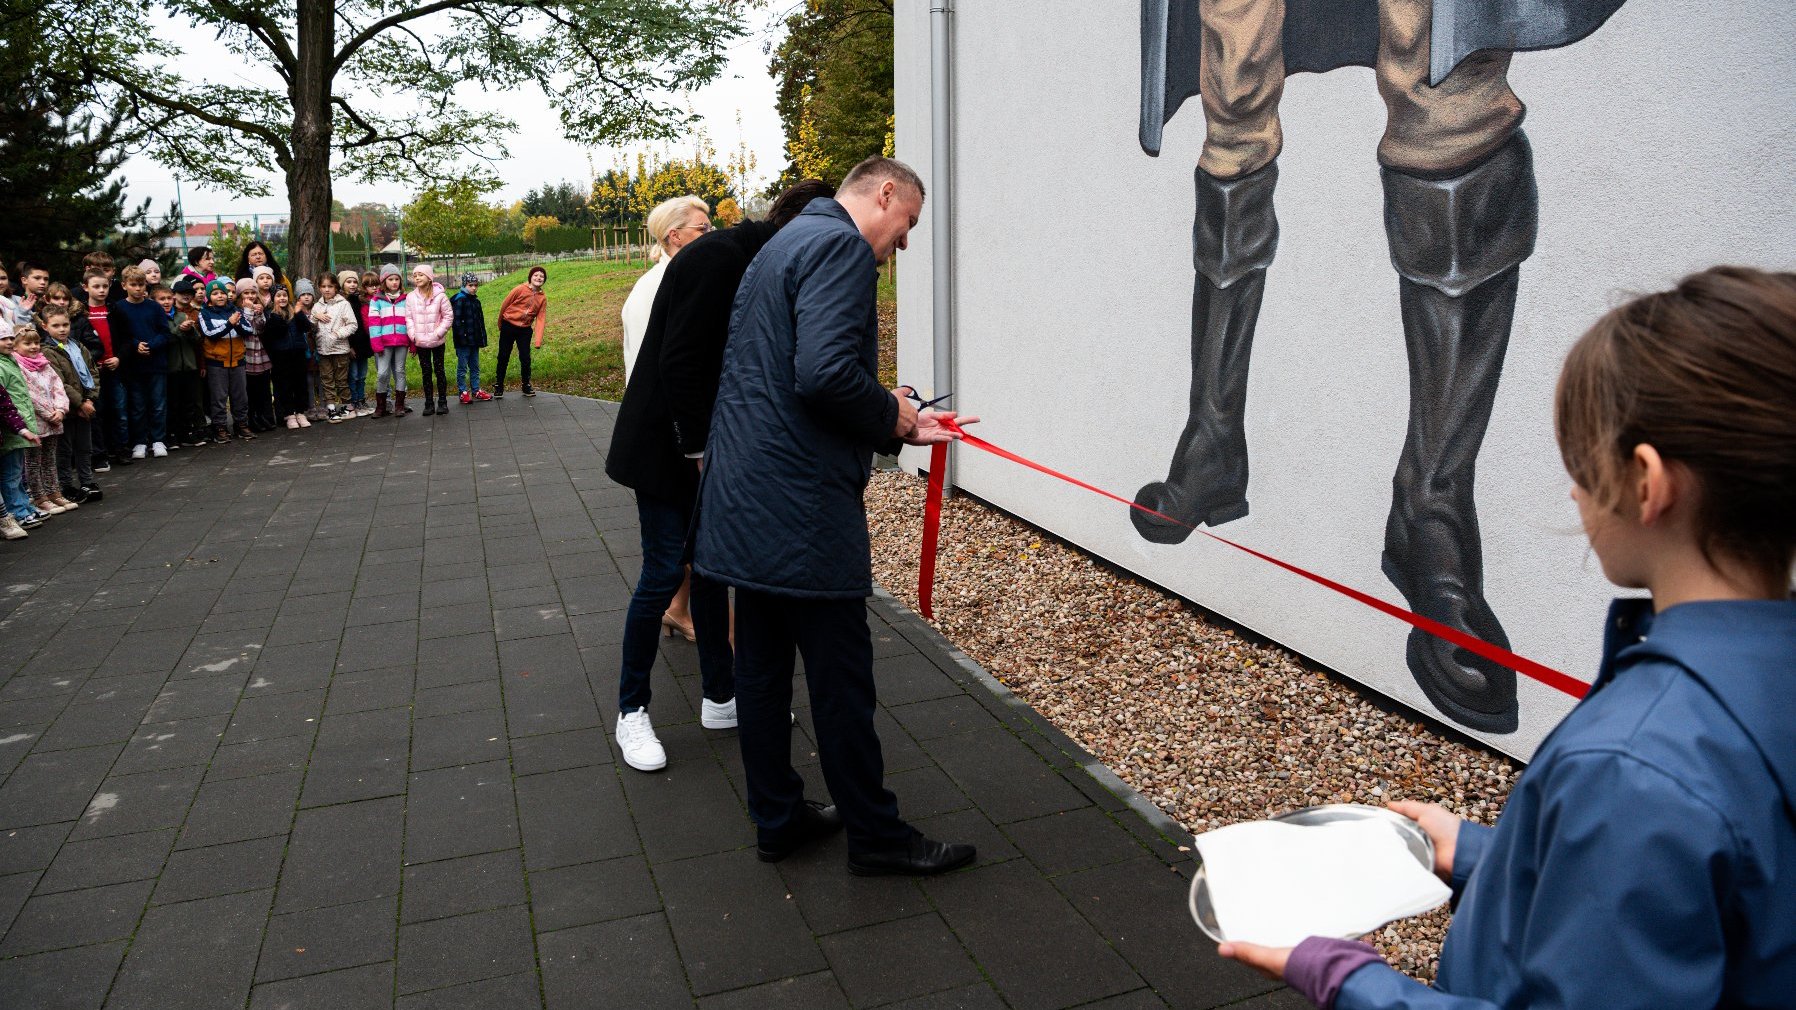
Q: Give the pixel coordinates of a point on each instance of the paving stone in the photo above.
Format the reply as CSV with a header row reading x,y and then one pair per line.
x,y
237,809
574,816
54,787
691,805
378,646
369,690
457,619
369,987
818,991
210,655
300,666
457,659
359,756
633,961
924,792
468,697
89,725
939,717
594,595
462,738
197,954
592,892
341,853
905,679
180,700
545,686
1003,776
1140,907
14,745
38,712
101,861
450,592
1059,961
464,948
973,997
932,959
15,890
1074,840
969,825
218,870
468,884
325,939
73,979
731,919
1140,999
506,577
401,606
265,717
160,745
550,752
31,848
74,918
461,811
260,757
1278,999
521,990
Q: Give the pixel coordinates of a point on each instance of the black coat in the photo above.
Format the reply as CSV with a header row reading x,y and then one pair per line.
x,y
799,415
666,413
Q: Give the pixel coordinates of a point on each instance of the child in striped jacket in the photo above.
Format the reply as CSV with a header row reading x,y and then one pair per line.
x,y
391,341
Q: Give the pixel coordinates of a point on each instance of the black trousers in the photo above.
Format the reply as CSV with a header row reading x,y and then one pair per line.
x,y
832,637
513,336
430,366
290,387
261,399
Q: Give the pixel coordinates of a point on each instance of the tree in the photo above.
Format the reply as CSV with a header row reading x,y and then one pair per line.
x,y
534,228
564,201
728,212
372,83
449,216
56,155
376,220
834,72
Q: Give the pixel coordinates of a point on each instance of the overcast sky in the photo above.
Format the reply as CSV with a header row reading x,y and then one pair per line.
x,y
539,154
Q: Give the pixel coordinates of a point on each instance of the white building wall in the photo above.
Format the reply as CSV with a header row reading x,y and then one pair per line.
x,y
1664,143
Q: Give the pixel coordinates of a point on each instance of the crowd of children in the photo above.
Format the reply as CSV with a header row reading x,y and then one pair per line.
x,y
132,368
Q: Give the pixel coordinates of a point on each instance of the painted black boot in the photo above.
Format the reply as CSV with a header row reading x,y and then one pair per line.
x,y
1233,240
1458,244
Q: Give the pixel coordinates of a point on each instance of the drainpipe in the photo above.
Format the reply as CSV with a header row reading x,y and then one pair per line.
x,y
941,219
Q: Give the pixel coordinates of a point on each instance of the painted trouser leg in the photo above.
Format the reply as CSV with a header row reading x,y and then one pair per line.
x,y
1233,239
1461,213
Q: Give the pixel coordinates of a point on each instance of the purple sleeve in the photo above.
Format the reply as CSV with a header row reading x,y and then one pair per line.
x,y
1318,966
10,417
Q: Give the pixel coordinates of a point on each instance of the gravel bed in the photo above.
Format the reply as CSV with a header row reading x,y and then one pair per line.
x,y
1209,726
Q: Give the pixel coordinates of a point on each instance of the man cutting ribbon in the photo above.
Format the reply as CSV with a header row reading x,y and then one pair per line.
x,y
799,414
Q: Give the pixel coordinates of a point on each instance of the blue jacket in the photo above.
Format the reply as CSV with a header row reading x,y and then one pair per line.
x,y
467,322
799,414
1647,858
140,322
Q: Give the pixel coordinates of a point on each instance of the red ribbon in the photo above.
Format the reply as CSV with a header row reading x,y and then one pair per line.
x,y
932,515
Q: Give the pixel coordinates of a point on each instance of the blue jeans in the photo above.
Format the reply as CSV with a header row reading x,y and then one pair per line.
x,y
12,485
358,379
664,526
467,369
149,408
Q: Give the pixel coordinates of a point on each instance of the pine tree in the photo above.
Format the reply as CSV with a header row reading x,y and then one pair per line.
x,y
58,156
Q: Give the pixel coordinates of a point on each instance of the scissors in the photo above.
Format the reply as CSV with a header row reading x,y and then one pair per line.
x,y
923,404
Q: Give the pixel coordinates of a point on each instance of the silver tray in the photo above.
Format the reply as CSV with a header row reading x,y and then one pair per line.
x,y
1420,846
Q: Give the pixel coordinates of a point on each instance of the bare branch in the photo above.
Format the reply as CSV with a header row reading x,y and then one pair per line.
x,y
362,37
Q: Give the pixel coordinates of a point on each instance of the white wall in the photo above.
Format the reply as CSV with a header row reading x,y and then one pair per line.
x,y
1664,143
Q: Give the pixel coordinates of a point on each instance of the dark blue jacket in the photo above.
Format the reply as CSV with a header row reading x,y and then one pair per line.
x,y
139,322
1647,858
467,320
799,414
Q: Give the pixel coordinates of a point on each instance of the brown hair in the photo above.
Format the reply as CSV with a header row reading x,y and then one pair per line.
x,y
538,269
98,260
1706,374
130,274
58,288
49,312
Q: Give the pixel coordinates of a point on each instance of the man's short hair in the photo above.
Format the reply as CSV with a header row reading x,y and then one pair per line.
x,y
793,201
875,171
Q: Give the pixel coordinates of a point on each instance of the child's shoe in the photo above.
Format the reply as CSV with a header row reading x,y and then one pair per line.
x,y
73,492
292,420
430,405
442,404
303,422
48,507
482,395
399,407
244,433
380,406
466,398
220,436
64,504
529,390
102,464
91,493
10,528
157,450
363,410
139,451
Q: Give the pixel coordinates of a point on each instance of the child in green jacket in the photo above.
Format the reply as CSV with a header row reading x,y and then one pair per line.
x,y
18,430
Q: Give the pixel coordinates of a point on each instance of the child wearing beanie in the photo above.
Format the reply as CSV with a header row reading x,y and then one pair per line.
x,y
427,319
391,341
358,292
468,323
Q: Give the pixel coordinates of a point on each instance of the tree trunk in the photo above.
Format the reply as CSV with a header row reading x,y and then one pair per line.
x,y
309,172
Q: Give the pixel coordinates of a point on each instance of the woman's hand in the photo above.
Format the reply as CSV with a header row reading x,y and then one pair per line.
x,y
1268,961
1440,825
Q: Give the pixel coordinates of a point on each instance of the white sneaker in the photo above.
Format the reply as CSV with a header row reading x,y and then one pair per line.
x,y
718,714
636,738
139,451
157,450
364,411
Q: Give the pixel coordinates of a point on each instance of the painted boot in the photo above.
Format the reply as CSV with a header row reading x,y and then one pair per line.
x,y
1233,240
1458,244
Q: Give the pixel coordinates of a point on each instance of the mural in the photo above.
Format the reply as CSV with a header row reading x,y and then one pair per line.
x,y
1460,214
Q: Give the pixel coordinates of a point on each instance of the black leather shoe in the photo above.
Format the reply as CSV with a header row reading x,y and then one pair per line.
x,y
920,857
93,493
815,821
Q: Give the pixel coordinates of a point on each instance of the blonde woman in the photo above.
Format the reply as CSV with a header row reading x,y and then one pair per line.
x,y
672,224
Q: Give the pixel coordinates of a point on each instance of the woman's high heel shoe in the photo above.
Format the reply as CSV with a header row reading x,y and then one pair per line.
x,y
671,627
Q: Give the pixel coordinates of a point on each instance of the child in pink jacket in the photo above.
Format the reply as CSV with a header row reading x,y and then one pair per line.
x,y
427,319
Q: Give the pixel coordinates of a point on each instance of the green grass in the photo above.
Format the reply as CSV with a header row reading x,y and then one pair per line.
x,y
582,350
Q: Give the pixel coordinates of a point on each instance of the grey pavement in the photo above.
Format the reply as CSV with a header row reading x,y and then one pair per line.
x,y
324,721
